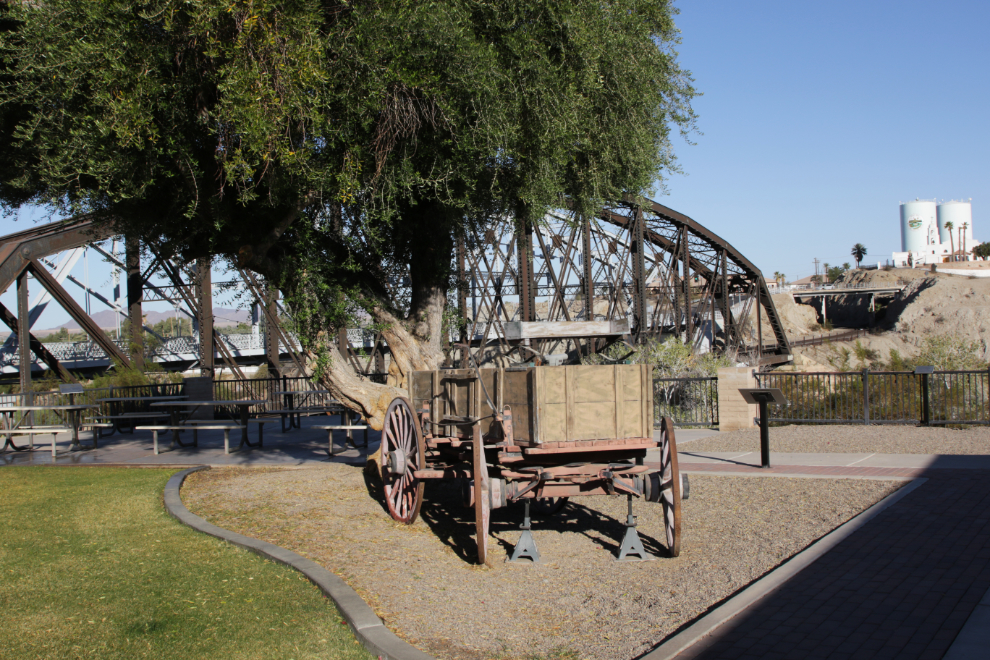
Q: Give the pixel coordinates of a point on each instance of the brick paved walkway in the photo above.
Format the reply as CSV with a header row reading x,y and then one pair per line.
x,y
902,586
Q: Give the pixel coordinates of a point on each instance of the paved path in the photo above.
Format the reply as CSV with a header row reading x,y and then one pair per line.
x,y
914,582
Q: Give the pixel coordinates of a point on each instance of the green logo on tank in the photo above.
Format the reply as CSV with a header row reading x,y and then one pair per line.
x,y
914,223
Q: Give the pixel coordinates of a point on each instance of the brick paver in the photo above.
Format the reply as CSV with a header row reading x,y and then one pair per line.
x,y
902,586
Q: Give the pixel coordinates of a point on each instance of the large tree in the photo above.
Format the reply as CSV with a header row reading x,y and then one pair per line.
x,y
337,148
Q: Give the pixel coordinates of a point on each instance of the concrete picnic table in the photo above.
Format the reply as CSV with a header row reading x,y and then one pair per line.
x,y
73,410
243,404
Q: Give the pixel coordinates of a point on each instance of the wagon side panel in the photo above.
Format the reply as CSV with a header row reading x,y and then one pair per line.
x,y
421,389
516,393
633,401
591,395
551,391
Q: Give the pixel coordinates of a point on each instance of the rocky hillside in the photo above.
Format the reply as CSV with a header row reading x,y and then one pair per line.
x,y
930,304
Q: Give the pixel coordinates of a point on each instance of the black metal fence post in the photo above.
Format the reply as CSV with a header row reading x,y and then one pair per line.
x,y
764,434
926,410
866,396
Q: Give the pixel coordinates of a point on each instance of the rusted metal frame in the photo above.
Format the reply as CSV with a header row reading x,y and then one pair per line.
x,y
589,277
344,348
618,281
192,301
666,293
271,315
524,282
491,302
751,271
24,330
227,355
43,240
726,301
135,292
272,353
559,293
36,346
462,286
707,306
637,253
204,294
686,280
567,263
744,316
69,304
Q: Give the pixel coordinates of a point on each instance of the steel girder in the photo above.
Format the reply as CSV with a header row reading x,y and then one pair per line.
x,y
667,274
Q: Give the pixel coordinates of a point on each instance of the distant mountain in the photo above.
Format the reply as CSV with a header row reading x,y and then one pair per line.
x,y
107,319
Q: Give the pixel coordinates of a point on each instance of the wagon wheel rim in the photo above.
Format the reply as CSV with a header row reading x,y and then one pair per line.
x,y
670,484
481,485
402,435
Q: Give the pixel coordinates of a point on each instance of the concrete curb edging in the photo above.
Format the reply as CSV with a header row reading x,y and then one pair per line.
x,y
773,580
367,627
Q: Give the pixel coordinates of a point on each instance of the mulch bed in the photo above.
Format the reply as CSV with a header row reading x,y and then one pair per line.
x,y
579,603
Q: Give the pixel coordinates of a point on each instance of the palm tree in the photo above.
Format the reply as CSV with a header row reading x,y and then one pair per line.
x,y
962,247
825,265
952,239
777,277
858,252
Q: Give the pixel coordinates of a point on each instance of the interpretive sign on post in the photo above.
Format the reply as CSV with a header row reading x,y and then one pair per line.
x,y
762,397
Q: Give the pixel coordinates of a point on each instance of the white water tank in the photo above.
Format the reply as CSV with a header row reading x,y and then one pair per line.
x,y
917,224
959,214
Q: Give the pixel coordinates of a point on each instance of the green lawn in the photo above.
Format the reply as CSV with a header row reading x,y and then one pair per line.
x,y
93,567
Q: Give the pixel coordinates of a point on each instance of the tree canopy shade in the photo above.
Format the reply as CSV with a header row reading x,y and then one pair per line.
x,y
335,146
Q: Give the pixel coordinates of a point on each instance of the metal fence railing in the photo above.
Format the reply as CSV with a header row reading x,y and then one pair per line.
x,y
687,401
93,396
881,397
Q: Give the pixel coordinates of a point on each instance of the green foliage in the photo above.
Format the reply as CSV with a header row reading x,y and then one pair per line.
x,y
948,353
858,252
671,358
835,272
982,251
335,148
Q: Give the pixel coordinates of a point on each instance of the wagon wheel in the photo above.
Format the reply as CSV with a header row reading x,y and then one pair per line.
x,y
482,486
547,506
403,451
670,497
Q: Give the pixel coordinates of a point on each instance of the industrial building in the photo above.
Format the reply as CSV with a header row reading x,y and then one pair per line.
x,y
933,233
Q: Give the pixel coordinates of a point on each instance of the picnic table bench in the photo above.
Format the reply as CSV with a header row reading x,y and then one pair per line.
x,y
175,429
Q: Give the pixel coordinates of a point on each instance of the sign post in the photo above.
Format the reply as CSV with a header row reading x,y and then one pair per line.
x,y
762,397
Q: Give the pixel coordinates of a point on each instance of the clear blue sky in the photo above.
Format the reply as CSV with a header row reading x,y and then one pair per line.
x,y
819,118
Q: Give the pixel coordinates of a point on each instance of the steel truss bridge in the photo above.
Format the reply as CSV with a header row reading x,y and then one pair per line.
x,y
645,264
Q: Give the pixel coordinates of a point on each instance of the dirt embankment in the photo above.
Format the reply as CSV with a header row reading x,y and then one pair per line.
x,y
930,304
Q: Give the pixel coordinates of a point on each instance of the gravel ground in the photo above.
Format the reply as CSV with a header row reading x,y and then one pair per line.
x,y
578,604
851,439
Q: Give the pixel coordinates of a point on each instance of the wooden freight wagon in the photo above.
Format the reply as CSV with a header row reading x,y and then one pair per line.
x,y
531,434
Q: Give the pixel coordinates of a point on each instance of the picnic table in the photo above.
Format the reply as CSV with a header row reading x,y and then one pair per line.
x,y
116,416
175,408
73,411
293,413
